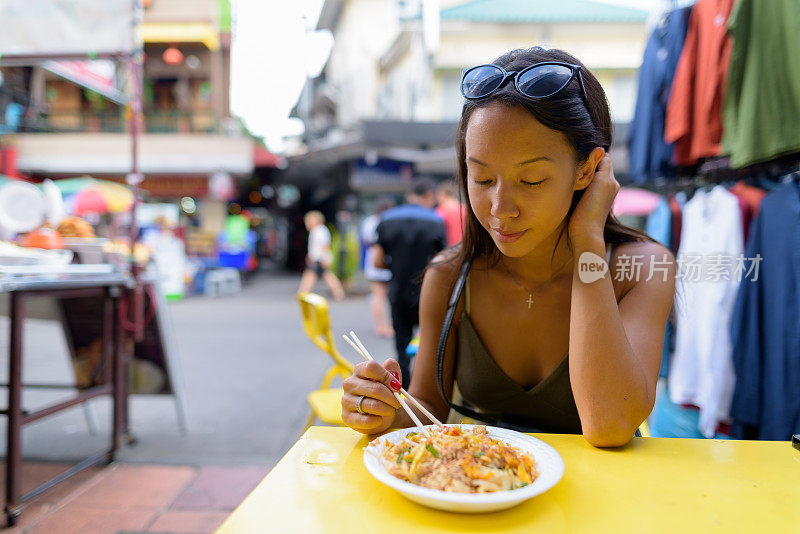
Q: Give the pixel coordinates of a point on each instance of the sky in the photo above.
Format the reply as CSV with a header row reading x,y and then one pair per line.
x,y
275,48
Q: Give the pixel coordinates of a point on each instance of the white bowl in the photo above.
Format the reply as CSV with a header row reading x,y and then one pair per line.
x,y
549,465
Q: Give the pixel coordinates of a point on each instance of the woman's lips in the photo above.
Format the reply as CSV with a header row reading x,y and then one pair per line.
x,y
506,237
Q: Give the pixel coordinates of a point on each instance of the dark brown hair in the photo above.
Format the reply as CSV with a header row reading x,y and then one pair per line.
x,y
566,112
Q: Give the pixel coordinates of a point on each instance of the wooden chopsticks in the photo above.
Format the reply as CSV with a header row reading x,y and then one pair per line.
x,y
364,353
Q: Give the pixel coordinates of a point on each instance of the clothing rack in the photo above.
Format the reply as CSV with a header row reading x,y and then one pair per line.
x,y
716,171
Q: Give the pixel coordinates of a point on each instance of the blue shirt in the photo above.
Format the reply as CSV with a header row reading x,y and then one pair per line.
x,y
765,326
650,156
659,227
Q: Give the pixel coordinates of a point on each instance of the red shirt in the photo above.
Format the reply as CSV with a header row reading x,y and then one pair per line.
x,y
694,112
454,214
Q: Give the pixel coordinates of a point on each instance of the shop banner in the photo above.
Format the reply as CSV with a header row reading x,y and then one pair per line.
x,y
98,75
59,27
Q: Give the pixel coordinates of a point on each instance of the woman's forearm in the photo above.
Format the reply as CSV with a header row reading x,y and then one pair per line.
x,y
608,382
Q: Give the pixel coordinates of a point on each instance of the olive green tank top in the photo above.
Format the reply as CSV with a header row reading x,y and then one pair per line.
x,y
549,406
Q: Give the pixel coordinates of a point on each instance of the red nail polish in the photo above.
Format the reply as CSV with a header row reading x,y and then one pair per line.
x,y
395,375
395,385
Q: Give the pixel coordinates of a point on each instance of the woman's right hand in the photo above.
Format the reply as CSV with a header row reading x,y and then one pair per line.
x,y
377,383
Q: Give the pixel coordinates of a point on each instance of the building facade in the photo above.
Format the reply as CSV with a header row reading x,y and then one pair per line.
x,y
190,142
385,106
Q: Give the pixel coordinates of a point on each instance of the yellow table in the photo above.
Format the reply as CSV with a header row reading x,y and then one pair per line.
x,y
651,485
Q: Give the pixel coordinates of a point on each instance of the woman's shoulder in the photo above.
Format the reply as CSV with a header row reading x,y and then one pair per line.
x,y
444,268
645,251
635,262
440,278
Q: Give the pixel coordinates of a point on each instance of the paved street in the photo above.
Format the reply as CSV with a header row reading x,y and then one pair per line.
x,y
246,366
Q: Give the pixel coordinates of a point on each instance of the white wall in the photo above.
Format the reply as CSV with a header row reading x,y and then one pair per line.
x,y
418,87
365,30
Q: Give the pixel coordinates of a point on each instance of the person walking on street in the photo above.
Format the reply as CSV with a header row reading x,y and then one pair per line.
x,y
409,236
451,211
320,257
378,278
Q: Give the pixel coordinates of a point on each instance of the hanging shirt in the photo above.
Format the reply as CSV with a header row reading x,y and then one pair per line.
x,y
765,327
750,194
659,223
701,371
749,201
694,110
659,227
650,156
762,105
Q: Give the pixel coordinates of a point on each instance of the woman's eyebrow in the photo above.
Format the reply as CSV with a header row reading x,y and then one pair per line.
x,y
526,162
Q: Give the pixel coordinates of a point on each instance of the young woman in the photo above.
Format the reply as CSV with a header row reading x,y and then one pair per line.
x,y
560,323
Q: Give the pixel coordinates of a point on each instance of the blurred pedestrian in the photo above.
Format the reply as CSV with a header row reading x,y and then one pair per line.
x,y
377,277
451,210
320,257
408,237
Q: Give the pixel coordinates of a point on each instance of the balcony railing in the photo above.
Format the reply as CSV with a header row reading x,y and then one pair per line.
x,y
115,122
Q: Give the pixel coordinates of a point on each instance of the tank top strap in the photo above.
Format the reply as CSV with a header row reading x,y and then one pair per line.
x,y
466,295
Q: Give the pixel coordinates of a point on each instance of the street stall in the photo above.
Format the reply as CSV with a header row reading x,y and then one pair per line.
x,y
116,293
649,485
91,299
106,375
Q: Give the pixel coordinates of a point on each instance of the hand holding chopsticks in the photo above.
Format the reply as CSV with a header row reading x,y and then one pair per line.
x,y
364,353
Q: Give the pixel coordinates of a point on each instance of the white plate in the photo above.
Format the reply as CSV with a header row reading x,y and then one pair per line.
x,y
21,207
549,465
54,202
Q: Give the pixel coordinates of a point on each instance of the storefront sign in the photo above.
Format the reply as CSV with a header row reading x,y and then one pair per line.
x,y
384,174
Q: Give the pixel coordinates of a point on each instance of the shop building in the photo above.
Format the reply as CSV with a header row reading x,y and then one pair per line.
x,y
74,119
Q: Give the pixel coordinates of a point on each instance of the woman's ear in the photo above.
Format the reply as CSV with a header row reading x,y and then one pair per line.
x,y
586,171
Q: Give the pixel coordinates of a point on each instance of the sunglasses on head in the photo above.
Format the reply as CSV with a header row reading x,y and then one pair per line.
x,y
540,80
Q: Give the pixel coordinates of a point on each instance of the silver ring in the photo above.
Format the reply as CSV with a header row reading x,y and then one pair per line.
x,y
359,409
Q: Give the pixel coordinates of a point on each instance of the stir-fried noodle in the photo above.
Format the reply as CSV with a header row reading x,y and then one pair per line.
x,y
458,460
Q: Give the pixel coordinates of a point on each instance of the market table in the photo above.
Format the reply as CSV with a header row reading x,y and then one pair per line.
x,y
650,485
78,282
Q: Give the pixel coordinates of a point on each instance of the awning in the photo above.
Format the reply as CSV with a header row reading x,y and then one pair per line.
x,y
184,32
109,153
264,158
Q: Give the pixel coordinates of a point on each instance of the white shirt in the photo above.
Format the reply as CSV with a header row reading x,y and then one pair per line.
x,y
701,372
369,229
318,239
369,235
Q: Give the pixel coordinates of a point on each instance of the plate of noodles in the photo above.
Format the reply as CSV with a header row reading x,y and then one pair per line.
x,y
464,468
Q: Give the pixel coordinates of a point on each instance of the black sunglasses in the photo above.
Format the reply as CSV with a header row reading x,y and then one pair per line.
x,y
540,80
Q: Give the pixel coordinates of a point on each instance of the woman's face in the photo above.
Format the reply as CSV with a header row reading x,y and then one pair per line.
x,y
520,177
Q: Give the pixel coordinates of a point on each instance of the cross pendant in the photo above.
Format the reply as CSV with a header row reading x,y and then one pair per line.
x,y
530,300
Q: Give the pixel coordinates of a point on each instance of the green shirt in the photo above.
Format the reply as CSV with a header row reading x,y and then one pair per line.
x,y
761,113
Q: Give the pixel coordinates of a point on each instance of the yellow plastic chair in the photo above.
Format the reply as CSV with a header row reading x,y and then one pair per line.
x,y
325,402
644,429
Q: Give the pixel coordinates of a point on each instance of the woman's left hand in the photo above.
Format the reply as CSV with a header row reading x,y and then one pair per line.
x,y
589,217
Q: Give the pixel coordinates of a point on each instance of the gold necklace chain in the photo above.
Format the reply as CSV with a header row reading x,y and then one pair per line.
x,y
529,300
